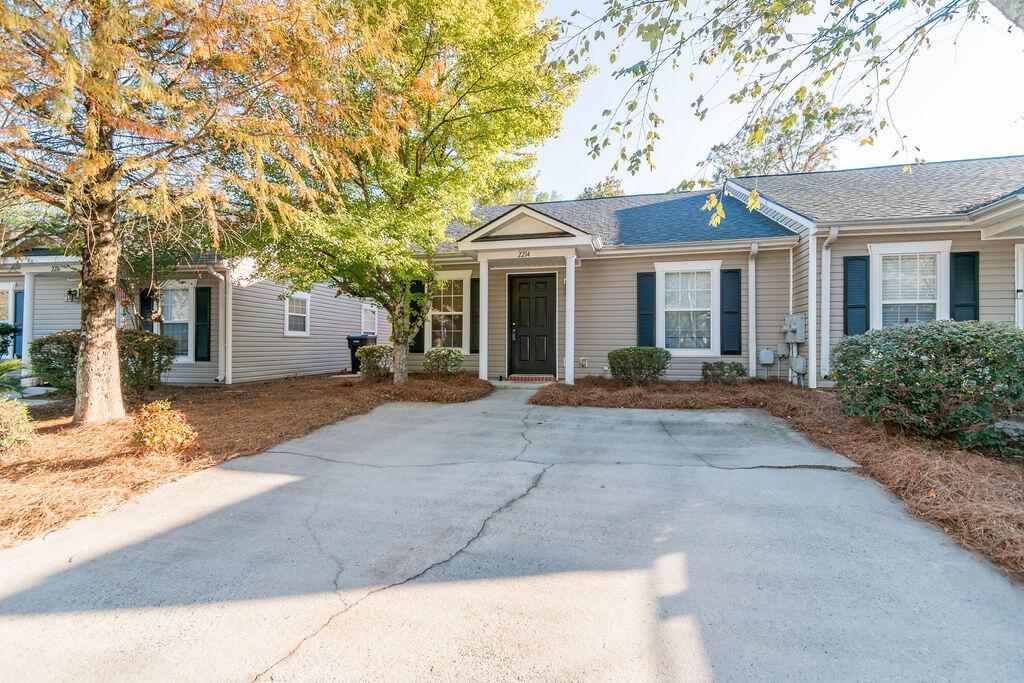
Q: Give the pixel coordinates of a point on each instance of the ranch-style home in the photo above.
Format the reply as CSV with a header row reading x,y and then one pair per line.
x,y
546,290
230,325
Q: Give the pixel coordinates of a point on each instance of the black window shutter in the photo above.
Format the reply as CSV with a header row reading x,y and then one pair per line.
x,y
646,308
963,286
417,342
202,323
856,288
474,315
146,309
732,330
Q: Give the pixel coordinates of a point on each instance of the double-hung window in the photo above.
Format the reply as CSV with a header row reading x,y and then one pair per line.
x,y
296,315
177,317
910,282
369,319
688,294
448,327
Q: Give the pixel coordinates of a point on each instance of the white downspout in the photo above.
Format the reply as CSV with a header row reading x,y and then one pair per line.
x,y
812,310
752,311
826,299
223,325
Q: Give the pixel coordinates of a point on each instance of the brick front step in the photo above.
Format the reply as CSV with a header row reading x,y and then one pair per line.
x,y
531,378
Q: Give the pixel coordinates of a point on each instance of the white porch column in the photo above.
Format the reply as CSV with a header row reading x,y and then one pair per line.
x,y
28,317
484,301
570,319
752,311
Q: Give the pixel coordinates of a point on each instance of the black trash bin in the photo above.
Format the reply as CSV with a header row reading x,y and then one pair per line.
x,y
357,341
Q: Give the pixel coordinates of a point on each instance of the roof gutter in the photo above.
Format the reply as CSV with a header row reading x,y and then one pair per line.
x,y
826,298
701,246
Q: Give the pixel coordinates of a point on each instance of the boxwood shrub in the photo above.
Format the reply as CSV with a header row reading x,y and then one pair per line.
x,y
636,365
719,371
444,362
944,379
375,360
145,357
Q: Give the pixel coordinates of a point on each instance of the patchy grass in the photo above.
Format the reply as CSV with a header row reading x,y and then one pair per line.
x,y
976,499
68,471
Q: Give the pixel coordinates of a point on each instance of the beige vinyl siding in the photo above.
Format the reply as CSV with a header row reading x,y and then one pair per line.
x,y
606,307
52,313
201,372
800,298
261,350
996,272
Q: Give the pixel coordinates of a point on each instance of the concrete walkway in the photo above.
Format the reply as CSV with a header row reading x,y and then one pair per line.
x,y
496,541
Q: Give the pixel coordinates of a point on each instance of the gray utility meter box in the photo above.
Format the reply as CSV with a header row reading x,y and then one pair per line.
x,y
794,328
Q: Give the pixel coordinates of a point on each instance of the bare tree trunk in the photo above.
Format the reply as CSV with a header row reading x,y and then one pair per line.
x,y
400,363
99,369
400,343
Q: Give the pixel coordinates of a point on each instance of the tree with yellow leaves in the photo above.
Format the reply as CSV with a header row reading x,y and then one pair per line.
x,y
162,108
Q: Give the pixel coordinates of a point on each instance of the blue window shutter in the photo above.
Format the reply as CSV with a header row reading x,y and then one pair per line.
x,y
732,326
146,309
855,295
963,285
202,323
474,315
416,346
646,308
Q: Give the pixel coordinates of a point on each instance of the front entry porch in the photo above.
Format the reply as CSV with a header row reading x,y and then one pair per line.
x,y
527,265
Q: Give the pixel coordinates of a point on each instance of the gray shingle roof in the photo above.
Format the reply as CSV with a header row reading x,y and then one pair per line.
x,y
643,219
934,189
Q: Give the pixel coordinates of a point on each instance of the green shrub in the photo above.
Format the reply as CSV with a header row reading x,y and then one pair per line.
x,y
639,364
375,361
15,427
940,379
445,362
720,371
163,430
7,332
54,357
145,357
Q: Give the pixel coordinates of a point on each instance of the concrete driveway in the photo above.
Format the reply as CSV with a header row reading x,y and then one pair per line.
x,y
495,540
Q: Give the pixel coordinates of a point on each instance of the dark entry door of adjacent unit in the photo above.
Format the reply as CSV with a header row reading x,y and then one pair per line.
x,y
531,325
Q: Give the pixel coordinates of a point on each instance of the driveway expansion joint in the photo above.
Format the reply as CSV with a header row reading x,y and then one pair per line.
x,y
420,574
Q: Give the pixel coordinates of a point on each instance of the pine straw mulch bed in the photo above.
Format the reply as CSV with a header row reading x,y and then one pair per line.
x,y
68,471
976,499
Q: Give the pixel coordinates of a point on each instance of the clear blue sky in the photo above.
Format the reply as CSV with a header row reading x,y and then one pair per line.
x,y
963,98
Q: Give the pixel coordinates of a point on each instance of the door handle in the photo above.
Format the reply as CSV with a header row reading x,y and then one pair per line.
x,y
513,335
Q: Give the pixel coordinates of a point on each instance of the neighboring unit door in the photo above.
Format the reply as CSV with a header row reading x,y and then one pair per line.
x,y
531,324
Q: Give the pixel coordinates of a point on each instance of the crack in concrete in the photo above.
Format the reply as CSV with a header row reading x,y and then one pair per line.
x,y
377,466
829,468
420,574
526,430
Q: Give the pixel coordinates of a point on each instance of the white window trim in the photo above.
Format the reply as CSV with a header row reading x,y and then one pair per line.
x,y
715,268
190,287
376,318
10,288
309,317
941,248
428,333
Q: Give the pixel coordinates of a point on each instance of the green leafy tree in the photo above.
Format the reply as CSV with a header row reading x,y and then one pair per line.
x,y
518,190
482,88
790,53
809,146
610,186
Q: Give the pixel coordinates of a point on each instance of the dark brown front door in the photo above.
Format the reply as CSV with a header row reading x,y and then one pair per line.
x,y
531,324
